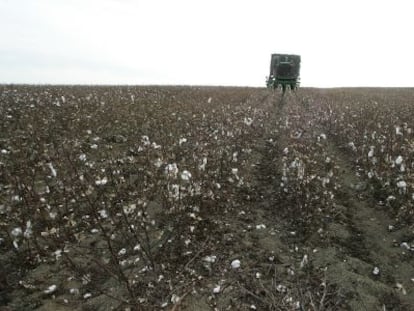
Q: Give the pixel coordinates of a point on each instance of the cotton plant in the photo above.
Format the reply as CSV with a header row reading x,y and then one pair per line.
x,y
381,145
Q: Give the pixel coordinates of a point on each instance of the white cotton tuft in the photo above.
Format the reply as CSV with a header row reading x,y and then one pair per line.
x,y
158,162
101,182
304,261
210,259
87,295
401,184
235,264
371,152
248,121
17,232
399,160
103,213
28,232
171,170
52,169
202,166
185,175
51,289
175,299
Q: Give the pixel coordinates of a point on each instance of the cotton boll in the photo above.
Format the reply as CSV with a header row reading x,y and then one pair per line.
x,y
235,154
304,261
216,290
402,185
248,121
401,288
185,175
399,160
28,232
51,289
158,162
371,152
202,166
103,213
171,170
145,140
175,298
210,259
87,295
235,264
101,182
52,169
17,232
74,291
325,181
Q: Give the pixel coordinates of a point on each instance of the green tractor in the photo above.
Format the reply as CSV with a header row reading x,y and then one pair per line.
x,y
284,72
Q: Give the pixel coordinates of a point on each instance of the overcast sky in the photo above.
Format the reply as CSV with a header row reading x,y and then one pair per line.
x,y
214,42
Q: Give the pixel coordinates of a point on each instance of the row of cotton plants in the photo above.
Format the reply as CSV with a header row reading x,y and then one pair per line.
x,y
306,168
377,133
116,186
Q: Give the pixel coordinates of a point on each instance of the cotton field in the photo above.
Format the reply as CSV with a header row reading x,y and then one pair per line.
x,y
206,198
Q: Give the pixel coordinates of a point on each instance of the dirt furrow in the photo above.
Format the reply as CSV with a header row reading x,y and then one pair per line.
x,y
363,254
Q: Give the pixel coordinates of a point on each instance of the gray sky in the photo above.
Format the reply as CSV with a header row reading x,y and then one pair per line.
x,y
214,42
